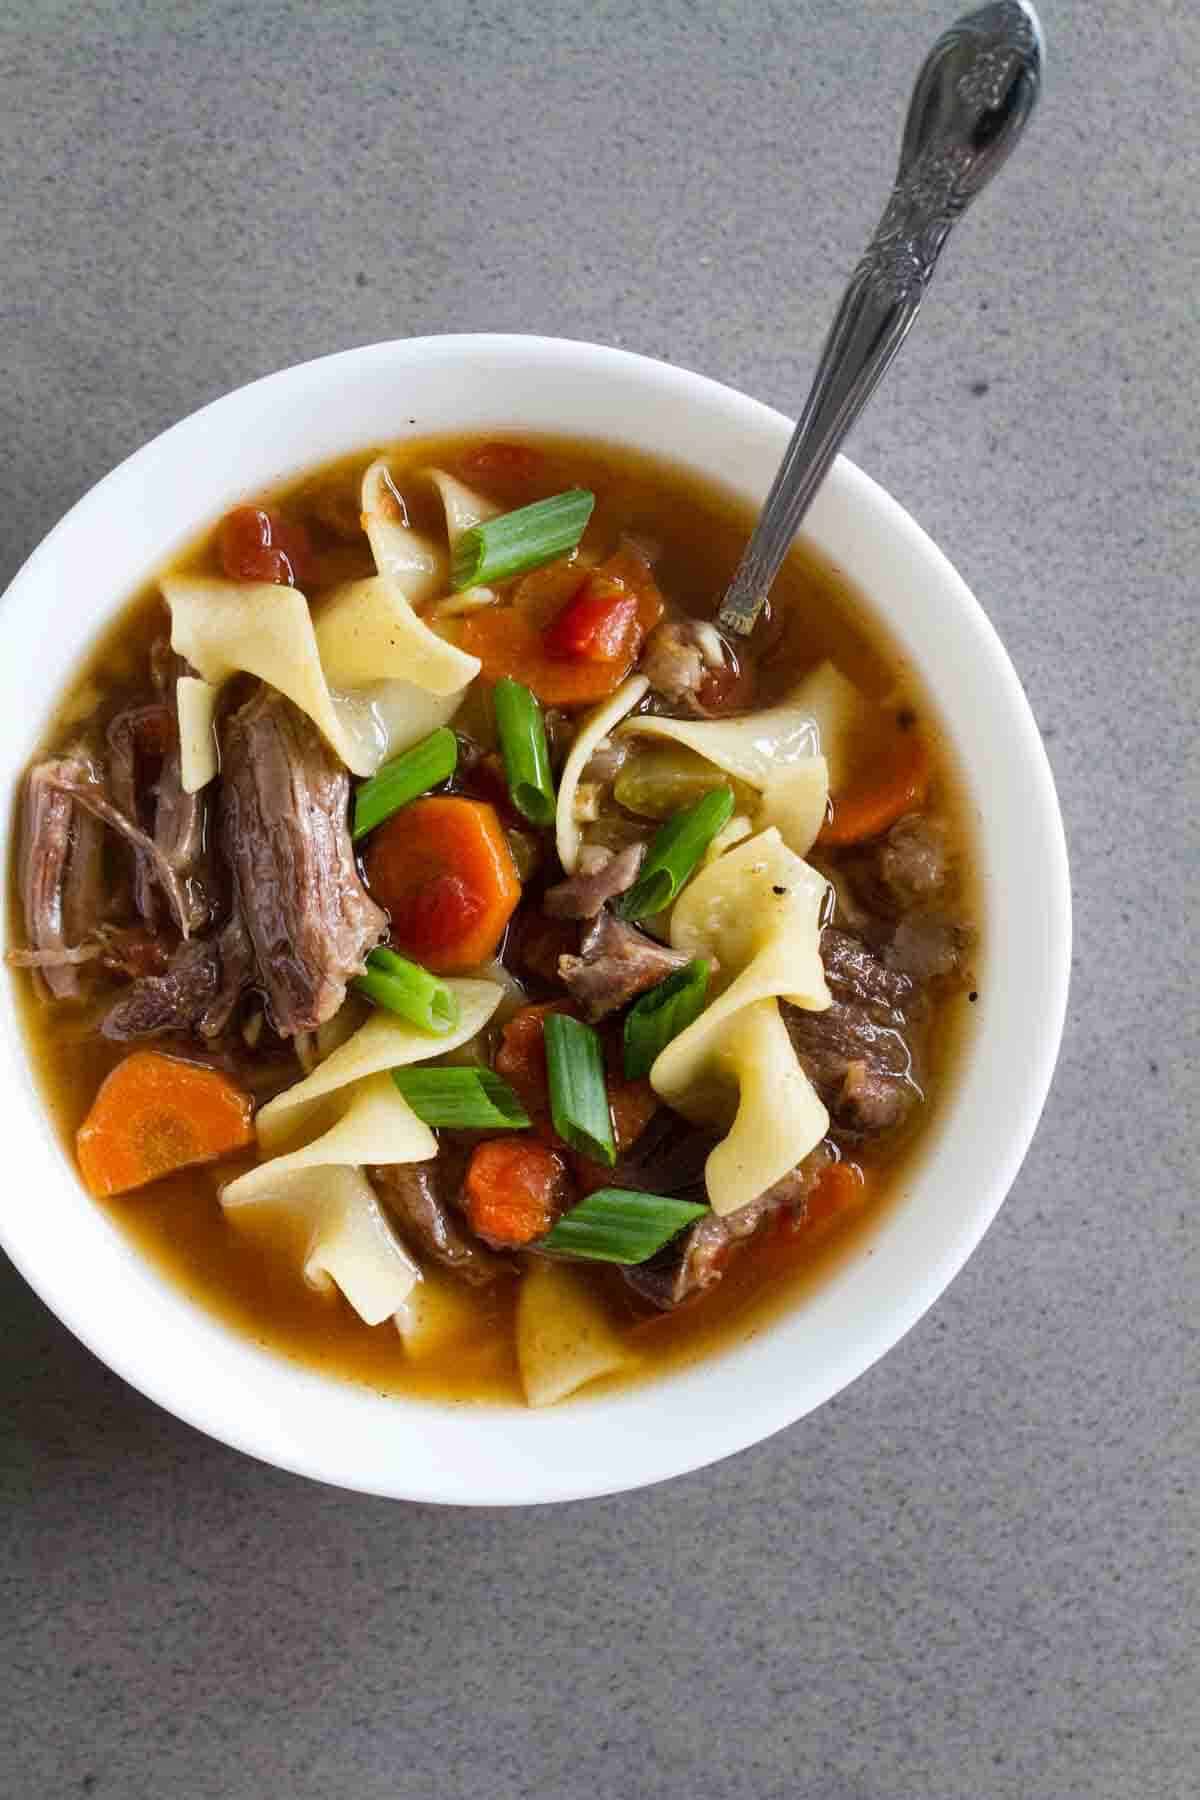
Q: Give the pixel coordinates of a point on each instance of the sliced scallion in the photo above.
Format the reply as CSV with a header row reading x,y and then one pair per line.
x,y
661,1015
462,1099
521,540
522,731
406,988
620,1225
675,849
404,778
578,1096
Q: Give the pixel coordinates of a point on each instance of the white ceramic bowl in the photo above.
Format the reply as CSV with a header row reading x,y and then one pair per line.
x,y
179,1355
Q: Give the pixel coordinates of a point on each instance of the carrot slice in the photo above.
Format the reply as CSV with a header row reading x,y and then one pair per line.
x,y
893,787
443,870
508,643
154,1114
515,1190
510,640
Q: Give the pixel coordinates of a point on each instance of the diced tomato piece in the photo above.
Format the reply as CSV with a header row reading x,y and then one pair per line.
x,y
436,916
521,1058
599,624
497,461
632,1104
727,689
515,1190
257,546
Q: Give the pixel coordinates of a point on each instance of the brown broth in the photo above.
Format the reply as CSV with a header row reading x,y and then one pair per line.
x,y
252,1281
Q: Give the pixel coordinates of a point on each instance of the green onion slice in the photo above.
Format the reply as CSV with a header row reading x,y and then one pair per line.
x,y
406,988
675,849
404,778
463,1099
516,541
620,1225
662,1014
522,730
578,1096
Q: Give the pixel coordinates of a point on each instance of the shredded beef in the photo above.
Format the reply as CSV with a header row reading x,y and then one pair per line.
x,y
285,837
49,823
197,992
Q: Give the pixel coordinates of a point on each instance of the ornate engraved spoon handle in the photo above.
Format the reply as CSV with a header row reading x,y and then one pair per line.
x,y
972,99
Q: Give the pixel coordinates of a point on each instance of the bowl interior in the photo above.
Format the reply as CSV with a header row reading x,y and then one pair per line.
x,y
179,1355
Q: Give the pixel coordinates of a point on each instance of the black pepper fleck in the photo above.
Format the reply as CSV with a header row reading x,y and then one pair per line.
x,y
979,388
778,890
972,996
906,718
1154,1068
360,280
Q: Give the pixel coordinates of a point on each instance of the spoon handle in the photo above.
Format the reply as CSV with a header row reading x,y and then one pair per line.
x,y
974,93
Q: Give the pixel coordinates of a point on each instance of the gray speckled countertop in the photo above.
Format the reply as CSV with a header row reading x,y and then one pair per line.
x,y
973,1574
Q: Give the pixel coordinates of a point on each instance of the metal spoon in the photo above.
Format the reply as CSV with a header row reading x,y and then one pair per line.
x,y
973,97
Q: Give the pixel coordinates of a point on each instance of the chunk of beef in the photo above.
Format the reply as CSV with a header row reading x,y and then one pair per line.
x,y
616,961
913,861
197,992
928,947
856,1053
535,943
696,1259
674,662
869,1101
600,877
907,867
606,761
689,662
411,1193
667,1157
286,839
857,977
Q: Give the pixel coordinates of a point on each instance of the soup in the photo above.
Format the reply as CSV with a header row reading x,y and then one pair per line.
x,y
459,963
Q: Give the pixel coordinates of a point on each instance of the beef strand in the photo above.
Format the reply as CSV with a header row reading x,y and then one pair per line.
x,y
76,774
62,881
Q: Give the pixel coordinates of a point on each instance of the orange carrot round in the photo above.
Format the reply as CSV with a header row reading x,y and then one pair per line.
x,y
515,1190
443,870
892,787
512,640
154,1114
507,642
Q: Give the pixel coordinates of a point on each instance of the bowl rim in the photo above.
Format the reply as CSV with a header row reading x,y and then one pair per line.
x,y
444,1477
